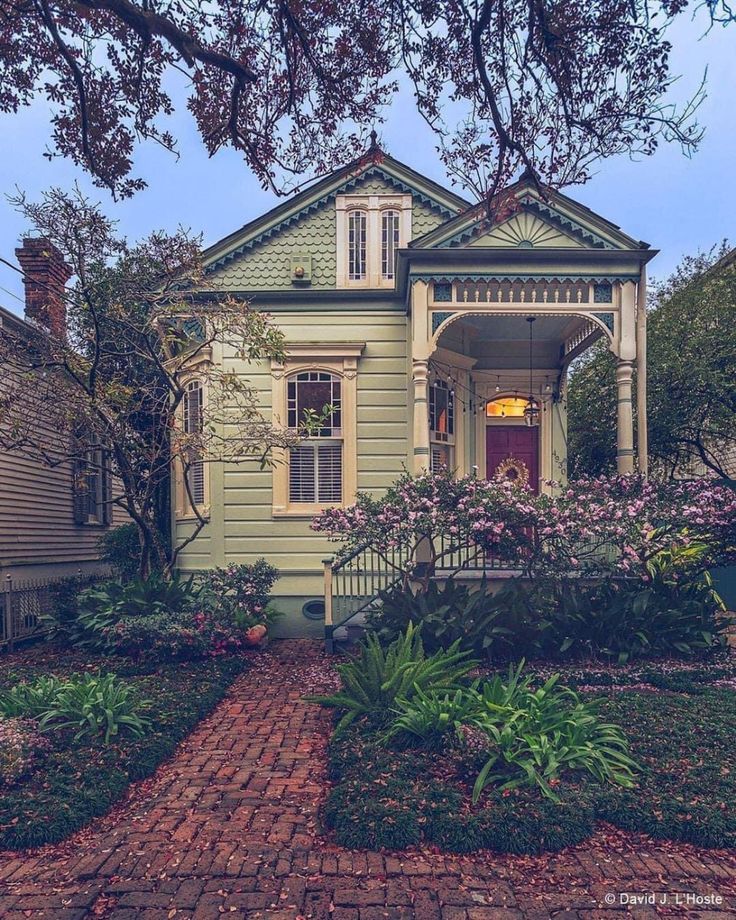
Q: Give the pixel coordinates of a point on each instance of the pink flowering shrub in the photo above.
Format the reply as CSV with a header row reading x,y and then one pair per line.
x,y
608,525
21,744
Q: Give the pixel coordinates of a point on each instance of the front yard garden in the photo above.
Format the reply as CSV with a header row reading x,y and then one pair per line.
x,y
678,721
597,687
131,667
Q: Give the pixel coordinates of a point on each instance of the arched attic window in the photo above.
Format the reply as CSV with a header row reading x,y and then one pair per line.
x,y
357,244
390,235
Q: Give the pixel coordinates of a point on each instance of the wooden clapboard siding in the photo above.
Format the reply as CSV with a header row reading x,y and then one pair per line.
x,y
37,515
242,527
37,525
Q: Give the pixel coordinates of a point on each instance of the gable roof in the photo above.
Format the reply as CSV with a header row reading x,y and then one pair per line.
x,y
349,178
572,220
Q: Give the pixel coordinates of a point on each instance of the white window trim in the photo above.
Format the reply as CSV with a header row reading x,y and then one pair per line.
x,y
374,205
94,462
341,359
183,508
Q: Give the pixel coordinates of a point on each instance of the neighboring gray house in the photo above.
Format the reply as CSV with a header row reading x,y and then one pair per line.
x,y
51,517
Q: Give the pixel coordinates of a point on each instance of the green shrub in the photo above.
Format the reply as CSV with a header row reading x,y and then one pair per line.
x,y
120,548
21,745
63,613
400,606
538,734
103,606
161,637
243,592
374,681
446,614
141,596
632,619
492,625
672,611
96,705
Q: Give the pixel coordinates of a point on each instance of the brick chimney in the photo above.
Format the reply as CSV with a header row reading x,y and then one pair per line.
x,y
45,274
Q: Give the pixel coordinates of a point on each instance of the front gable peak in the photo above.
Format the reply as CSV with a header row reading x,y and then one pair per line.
x,y
373,167
524,218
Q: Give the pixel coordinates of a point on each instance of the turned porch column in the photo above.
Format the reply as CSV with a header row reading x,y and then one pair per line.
x,y
421,349
624,418
420,380
642,424
624,373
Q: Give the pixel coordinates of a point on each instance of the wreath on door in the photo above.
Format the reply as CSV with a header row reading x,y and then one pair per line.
x,y
513,470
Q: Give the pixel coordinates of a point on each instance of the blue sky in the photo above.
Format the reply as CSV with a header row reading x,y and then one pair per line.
x,y
676,204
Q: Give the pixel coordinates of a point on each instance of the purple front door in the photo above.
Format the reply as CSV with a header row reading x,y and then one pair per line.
x,y
516,443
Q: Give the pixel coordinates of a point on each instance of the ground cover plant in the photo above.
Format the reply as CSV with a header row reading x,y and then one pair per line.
x,y
67,763
411,777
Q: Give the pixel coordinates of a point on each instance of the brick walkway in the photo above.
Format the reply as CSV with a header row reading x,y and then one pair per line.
x,y
230,827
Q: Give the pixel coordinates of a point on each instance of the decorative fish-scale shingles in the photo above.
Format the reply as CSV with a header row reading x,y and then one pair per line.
x,y
424,219
266,266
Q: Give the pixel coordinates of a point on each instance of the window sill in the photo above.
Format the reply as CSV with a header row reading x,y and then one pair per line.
x,y
186,517
302,512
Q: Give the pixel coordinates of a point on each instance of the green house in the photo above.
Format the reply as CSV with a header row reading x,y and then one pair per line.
x,y
443,336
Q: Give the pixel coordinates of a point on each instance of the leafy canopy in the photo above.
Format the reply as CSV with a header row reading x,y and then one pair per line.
x,y
691,346
505,84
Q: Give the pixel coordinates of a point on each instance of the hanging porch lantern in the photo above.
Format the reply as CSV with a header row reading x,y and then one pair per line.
x,y
531,410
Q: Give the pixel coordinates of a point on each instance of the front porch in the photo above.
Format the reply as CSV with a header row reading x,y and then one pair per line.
x,y
489,361
492,333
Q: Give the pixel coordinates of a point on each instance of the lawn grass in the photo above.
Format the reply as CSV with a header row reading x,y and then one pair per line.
x,y
680,728
78,781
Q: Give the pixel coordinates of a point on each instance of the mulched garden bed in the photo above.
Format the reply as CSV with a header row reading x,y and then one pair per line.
x,y
680,719
77,781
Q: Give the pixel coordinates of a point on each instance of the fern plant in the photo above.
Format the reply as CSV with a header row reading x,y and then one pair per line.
x,y
377,678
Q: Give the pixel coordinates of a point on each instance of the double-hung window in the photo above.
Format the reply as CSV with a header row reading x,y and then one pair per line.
x,y
92,483
316,464
193,428
441,425
390,241
357,245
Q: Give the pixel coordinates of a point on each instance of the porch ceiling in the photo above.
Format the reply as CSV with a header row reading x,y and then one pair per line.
x,y
502,341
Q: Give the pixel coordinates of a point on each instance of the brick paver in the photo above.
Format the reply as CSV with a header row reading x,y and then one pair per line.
x,y
230,827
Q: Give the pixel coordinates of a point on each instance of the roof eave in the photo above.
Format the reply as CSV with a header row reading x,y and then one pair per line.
x,y
639,257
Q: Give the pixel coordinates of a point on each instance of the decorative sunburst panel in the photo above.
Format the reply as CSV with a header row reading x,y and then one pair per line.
x,y
525,230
